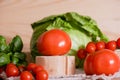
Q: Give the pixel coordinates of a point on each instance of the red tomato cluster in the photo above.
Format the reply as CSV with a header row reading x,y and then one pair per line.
x,y
91,47
32,71
37,70
100,57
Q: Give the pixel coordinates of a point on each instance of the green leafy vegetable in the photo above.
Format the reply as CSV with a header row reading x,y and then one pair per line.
x,y
16,44
12,52
4,59
81,29
20,55
14,60
3,46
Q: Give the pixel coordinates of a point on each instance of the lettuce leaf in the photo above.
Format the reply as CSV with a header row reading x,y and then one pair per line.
x,y
81,29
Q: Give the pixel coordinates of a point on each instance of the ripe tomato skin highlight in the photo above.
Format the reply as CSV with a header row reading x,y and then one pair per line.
x,y
26,75
103,62
111,45
54,42
118,42
91,47
100,45
41,75
12,70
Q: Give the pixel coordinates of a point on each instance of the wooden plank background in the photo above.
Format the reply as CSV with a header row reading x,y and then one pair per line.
x,y
16,16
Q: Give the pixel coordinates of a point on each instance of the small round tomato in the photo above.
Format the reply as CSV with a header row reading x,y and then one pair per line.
x,y
81,54
31,66
37,69
118,42
100,45
54,42
111,45
26,75
104,61
91,47
12,70
41,75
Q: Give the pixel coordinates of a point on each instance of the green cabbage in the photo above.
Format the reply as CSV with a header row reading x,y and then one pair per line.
x,y
81,29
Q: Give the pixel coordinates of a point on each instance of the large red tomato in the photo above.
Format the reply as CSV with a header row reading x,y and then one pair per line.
x,y
102,62
54,42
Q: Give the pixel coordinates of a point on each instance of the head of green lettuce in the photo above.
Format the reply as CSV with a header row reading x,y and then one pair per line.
x,y
81,29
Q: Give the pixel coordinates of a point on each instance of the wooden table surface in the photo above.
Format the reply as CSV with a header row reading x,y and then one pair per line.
x,y
16,16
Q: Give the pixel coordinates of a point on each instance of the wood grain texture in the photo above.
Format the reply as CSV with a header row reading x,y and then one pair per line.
x,y
57,65
16,16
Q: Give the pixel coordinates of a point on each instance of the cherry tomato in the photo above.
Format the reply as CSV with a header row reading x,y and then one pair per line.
x,y
26,75
41,75
81,54
54,42
12,70
100,45
111,45
31,66
118,42
104,61
91,47
37,69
